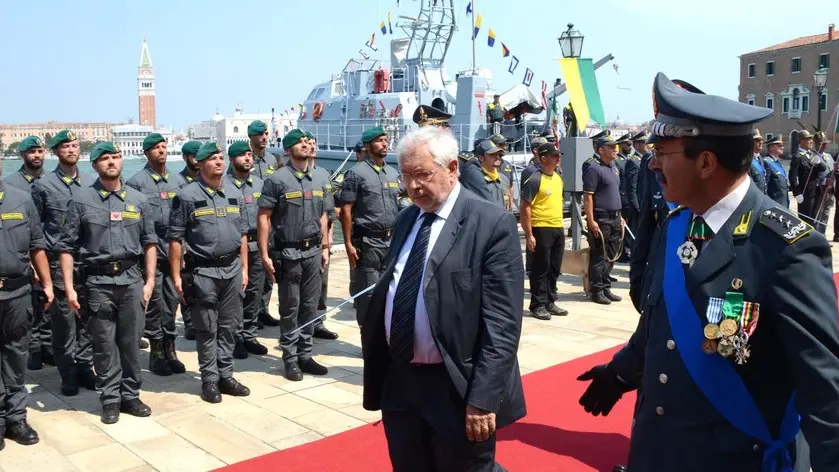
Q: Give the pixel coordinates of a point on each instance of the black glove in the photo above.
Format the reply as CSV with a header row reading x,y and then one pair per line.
x,y
604,391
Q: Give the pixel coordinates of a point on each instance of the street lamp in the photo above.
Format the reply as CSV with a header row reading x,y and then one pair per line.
x,y
571,42
820,80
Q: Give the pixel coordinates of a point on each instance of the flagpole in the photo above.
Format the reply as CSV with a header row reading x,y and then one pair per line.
x,y
473,35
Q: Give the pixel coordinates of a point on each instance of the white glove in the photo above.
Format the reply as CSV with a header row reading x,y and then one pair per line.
x,y
799,198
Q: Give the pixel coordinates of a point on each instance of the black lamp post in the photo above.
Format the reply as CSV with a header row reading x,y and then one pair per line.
x,y
571,42
820,80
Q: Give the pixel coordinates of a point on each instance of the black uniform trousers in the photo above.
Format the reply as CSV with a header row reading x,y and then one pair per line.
x,y
70,340
372,261
115,322
425,423
160,315
630,215
216,309
547,264
14,344
41,333
253,298
299,290
603,248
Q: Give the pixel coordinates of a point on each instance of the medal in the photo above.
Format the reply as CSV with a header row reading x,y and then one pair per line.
x,y
714,311
725,347
712,331
709,346
728,327
688,253
742,355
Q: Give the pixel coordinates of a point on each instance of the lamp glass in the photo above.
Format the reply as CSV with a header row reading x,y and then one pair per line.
x,y
820,78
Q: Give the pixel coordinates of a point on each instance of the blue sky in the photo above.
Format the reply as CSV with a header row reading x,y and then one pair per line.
x,y
79,59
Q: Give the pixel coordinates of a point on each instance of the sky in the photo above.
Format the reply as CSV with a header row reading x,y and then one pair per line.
x,y
77,61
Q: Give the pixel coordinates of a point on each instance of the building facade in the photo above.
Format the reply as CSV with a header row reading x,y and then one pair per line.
x,y
145,88
130,137
94,132
781,77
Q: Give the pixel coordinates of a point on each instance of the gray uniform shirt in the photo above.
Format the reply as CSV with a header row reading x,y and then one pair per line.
x,y
374,192
329,199
264,166
22,180
20,233
297,201
106,227
498,188
52,194
251,190
159,190
210,223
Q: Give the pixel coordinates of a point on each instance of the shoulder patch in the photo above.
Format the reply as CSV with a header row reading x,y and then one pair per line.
x,y
790,228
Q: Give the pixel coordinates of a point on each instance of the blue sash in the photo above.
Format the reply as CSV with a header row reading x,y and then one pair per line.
x,y
713,374
757,163
778,167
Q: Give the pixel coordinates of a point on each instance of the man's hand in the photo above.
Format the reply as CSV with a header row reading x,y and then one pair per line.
x,y
324,258
179,287
531,243
352,254
604,391
330,239
623,222
593,228
49,296
148,288
244,280
73,301
269,266
799,198
480,424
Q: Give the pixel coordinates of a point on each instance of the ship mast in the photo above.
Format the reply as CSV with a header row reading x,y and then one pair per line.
x,y
473,35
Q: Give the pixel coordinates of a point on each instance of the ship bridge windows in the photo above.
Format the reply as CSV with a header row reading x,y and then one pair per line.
x,y
337,88
316,93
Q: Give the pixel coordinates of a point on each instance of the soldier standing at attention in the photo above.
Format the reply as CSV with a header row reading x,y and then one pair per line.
x,y
40,341
602,202
292,203
495,114
804,171
757,171
369,201
531,168
208,216
107,224
52,194
777,186
628,173
189,174
824,194
239,175
22,247
738,347
160,186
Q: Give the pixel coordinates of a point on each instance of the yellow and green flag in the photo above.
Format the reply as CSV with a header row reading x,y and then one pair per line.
x,y
582,88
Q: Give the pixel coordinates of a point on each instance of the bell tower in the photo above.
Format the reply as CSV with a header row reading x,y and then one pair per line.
x,y
145,88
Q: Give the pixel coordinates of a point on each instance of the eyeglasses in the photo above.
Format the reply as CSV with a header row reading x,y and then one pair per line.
x,y
422,177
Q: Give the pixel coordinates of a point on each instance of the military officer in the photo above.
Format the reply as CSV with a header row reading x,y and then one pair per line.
x,y
294,204
427,115
109,226
160,186
207,217
594,140
240,176
824,192
804,170
52,194
40,340
777,186
757,171
734,344
628,173
189,173
369,202
22,247
360,151
506,167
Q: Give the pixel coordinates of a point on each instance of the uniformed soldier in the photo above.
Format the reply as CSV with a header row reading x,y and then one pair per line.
x,y
602,202
40,340
489,156
804,170
570,121
240,176
534,165
293,204
160,186
595,157
735,344
757,171
495,114
52,194
360,151
369,201
109,225
824,192
777,186
506,168
207,218
427,115
190,172
628,173
22,247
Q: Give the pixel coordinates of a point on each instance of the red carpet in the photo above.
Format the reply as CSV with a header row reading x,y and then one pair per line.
x,y
556,435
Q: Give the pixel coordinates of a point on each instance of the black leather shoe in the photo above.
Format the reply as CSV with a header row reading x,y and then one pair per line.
x,y
144,344
600,299
309,366
323,333
541,313
157,359
189,334
87,379
611,296
239,351
21,433
48,356
110,413
70,386
35,361
254,347
2,443
232,387
268,320
554,309
619,468
135,407
210,393
293,372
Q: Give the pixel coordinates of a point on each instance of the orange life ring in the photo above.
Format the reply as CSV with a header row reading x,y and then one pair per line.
x,y
317,110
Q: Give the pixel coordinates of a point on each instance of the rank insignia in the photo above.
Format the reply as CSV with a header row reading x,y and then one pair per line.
x,y
71,136
785,225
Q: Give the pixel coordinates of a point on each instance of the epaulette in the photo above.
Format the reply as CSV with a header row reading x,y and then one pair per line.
x,y
466,157
785,224
674,211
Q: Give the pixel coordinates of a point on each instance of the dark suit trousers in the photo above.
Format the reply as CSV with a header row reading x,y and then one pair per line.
x,y
547,263
425,424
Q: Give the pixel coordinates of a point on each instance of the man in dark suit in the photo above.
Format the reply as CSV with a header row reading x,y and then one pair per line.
x,y
737,349
443,327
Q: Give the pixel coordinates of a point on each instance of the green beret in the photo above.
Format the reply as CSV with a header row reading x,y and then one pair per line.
x,y
372,134
207,150
151,141
308,134
30,143
293,137
63,136
238,148
104,147
191,147
257,127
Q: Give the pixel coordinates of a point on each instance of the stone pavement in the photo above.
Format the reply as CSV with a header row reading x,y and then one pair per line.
x,y
186,434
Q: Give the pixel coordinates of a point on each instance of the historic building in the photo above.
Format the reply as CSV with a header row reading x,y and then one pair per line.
x,y
13,133
130,137
145,88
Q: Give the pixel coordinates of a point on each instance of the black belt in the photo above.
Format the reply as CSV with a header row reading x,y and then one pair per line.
x,y
195,262
112,268
371,233
8,284
606,214
307,243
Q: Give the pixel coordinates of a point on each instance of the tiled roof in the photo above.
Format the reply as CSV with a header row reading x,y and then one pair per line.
x,y
798,42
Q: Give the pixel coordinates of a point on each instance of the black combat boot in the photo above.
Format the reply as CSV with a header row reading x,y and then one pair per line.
x,y
21,433
600,298
611,296
35,361
232,387
157,359
175,365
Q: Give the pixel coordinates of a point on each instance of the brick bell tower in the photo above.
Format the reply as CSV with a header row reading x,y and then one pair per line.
x,y
145,88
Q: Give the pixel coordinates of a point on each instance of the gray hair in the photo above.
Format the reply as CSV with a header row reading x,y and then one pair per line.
x,y
438,141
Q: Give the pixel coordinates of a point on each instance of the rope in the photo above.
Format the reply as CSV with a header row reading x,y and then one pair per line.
x,y
620,246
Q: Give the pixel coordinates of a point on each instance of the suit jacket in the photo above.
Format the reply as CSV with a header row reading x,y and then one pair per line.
x,y
783,265
473,288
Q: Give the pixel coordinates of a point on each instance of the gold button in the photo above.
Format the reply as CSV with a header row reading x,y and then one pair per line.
x,y
659,411
671,344
662,378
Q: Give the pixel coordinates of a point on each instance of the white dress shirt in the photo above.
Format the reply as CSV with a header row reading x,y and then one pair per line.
x,y
425,349
720,212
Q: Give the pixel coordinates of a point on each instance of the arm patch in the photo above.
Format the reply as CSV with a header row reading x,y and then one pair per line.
x,y
790,228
